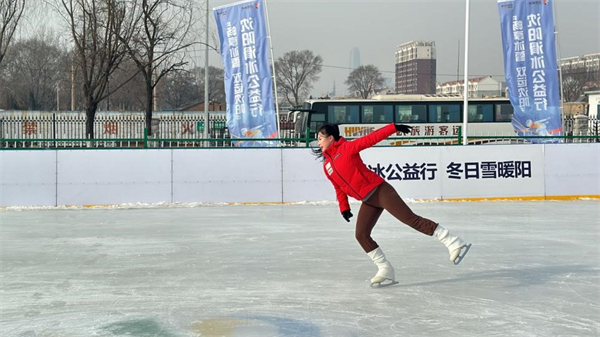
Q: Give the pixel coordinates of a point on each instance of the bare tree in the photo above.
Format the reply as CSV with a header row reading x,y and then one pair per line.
x,y
98,30
364,80
572,88
184,88
129,97
576,82
297,71
37,68
160,36
179,89
11,12
216,83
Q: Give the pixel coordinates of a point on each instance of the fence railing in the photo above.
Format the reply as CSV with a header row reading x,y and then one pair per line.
x,y
66,130
45,129
175,143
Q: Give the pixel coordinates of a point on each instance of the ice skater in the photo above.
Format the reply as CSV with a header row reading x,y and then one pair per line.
x,y
345,169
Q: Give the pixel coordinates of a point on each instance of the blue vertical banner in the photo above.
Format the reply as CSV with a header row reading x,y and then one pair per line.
x,y
248,83
530,67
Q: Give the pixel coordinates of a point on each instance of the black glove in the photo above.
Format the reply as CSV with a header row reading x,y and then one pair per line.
x,y
347,215
403,128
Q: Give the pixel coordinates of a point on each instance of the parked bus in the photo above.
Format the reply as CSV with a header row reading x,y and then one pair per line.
x,y
430,116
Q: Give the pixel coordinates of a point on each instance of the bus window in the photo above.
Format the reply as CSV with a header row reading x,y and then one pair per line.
x,y
481,113
342,114
411,113
377,114
316,121
444,113
367,114
504,112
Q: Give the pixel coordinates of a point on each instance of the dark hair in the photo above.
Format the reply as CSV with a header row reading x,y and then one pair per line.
x,y
327,130
330,130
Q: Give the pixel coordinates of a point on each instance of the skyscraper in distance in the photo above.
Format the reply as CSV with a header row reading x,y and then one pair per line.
x,y
354,58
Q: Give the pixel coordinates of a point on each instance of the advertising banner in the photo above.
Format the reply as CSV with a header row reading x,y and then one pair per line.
x,y
248,82
530,67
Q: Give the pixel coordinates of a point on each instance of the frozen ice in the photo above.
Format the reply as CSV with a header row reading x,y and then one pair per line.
x,y
297,270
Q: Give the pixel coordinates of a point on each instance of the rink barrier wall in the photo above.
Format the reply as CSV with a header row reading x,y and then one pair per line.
x,y
275,176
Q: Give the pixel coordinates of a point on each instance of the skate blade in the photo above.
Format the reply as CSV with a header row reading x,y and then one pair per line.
x,y
462,255
383,285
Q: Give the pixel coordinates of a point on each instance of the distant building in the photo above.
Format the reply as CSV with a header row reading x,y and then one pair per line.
x,y
383,91
593,104
580,74
355,58
416,68
479,87
586,64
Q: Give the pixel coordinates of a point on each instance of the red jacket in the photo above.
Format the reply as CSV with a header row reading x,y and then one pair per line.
x,y
345,169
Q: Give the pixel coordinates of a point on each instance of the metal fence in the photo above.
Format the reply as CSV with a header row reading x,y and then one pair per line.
x,y
48,129
582,126
64,130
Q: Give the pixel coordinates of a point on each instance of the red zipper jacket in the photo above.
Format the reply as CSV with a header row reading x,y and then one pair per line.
x,y
345,169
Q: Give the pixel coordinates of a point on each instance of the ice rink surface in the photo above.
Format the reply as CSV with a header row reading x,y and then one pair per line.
x,y
296,270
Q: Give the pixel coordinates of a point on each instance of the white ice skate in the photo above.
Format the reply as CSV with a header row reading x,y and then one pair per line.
x,y
385,273
457,247
459,253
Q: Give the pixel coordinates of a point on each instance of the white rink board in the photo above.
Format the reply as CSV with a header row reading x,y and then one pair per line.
x,y
521,175
239,175
105,177
460,172
572,170
27,178
399,167
109,177
303,177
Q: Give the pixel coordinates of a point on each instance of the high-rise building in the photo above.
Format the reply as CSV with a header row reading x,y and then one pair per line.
x,y
354,58
416,68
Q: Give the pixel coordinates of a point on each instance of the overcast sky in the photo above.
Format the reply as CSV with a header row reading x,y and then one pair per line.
x,y
332,28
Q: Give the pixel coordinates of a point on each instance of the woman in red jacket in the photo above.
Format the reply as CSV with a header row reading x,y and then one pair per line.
x,y
345,169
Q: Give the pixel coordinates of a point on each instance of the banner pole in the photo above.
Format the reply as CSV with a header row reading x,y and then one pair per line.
x,y
531,68
244,38
466,81
206,98
558,58
273,68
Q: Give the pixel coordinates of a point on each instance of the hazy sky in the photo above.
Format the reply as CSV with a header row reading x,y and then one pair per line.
x,y
332,28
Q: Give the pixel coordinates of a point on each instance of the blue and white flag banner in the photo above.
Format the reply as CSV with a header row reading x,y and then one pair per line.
x,y
530,67
248,83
